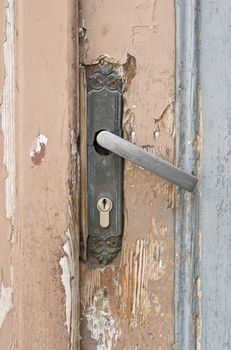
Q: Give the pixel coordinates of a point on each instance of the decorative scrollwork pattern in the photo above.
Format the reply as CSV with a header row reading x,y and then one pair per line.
x,y
105,77
104,249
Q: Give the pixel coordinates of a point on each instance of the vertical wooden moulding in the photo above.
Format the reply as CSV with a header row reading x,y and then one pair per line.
x,y
187,157
46,254
83,162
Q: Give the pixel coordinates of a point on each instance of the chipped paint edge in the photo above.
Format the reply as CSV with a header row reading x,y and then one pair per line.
x,y
7,121
69,280
66,264
40,140
5,301
7,110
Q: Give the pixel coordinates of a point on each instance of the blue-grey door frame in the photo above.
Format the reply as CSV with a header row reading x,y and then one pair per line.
x,y
187,154
203,220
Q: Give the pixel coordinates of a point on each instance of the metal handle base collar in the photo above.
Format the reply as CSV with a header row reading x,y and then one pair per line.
x,y
146,160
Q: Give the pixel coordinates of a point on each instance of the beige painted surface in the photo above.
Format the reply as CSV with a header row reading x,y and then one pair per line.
x,y
38,239
130,306
123,307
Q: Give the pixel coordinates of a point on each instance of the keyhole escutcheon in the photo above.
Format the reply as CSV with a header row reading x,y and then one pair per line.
x,y
104,205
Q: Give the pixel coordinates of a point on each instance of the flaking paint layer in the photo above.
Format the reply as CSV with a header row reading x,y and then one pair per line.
x,y
46,93
100,322
7,111
140,285
66,265
7,170
38,154
5,301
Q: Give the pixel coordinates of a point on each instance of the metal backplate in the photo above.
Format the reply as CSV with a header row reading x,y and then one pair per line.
x,y
104,169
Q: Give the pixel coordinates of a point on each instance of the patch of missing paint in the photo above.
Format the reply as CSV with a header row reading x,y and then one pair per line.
x,y
129,126
165,121
38,154
7,111
129,71
100,323
104,57
66,277
5,301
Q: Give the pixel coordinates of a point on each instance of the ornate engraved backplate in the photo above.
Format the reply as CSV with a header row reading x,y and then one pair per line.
x,y
104,169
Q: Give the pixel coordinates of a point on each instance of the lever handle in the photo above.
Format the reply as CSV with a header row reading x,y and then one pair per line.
x,y
146,160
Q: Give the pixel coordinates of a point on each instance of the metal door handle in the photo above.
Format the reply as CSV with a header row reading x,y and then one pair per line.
x,y
102,213
146,160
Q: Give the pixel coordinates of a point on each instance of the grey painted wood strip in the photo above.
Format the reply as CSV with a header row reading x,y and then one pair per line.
x,y
186,223
215,202
146,160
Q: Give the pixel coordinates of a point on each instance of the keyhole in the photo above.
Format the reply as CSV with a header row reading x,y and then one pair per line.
x,y
104,202
104,205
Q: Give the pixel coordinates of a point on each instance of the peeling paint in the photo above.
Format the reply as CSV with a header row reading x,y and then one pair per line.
x,y
7,178
140,284
7,112
129,126
129,71
165,121
38,154
66,277
42,317
100,323
5,301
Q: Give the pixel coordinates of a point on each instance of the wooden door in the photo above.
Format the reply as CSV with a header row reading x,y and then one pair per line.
x,y
129,303
169,286
38,275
